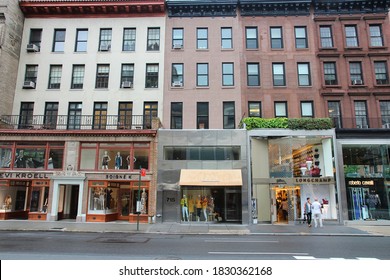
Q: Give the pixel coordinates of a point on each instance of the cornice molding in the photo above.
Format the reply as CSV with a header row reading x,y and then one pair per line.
x,y
216,8
331,7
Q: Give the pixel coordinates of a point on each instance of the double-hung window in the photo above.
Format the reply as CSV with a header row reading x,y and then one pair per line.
x,y
59,40
307,109
356,74
253,76
351,36
153,43
55,76
102,75
177,38
330,75
276,37
251,40
128,39
202,38
278,74
202,74
105,39
177,74
78,76
227,74
326,37
226,38
304,74
376,36
81,40
381,74
151,78
301,37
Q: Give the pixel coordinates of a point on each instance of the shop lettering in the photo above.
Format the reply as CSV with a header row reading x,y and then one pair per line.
x,y
118,177
8,175
361,183
313,180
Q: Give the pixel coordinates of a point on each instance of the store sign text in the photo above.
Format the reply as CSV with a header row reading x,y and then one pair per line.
x,y
121,177
361,183
9,175
313,180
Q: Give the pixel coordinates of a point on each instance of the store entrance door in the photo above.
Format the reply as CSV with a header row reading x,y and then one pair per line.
x,y
233,205
68,201
285,203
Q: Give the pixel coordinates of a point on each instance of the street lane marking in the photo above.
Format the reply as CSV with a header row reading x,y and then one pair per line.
x,y
255,253
333,259
239,241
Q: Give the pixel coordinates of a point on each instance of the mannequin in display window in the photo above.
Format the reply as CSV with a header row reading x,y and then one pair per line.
x,y
7,202
184,207
198,205
144,198
20,162
191,204
105,159
373,202
118,161
204,207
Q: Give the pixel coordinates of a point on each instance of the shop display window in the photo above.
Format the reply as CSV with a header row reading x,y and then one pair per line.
x,y
211,204
103,200
13,196
5,155
39,199
129,199
114,156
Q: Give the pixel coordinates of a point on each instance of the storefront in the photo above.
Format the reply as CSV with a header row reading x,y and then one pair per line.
x,y
210,195
287,168
367,180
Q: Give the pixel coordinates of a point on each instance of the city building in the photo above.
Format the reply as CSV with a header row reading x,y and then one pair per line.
x,y
11,26
80,142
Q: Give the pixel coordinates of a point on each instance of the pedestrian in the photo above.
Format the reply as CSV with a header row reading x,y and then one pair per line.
x,y
316,209
307,211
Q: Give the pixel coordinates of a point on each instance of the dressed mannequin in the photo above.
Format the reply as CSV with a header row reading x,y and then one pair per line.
x,y
191,204
198,205
105,159
204,207
144,198
7,202
118,161
184,207
20,161
50,162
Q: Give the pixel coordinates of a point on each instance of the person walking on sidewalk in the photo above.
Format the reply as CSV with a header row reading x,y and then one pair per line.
x,y
307,211
316,209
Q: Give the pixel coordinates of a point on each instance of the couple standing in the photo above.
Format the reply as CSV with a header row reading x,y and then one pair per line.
x,y
314,209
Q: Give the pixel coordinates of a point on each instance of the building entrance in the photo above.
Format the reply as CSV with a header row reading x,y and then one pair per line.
x,y
68,201
286,203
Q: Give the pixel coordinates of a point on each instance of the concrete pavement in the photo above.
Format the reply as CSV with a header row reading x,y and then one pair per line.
x,y
349,228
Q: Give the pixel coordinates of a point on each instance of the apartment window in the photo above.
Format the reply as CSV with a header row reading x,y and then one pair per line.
x,y
51,114
361,114
251,40
307,110
202,115
201,38
280,109
301,38
128,39
127,75
177,74
81,40
376,36
385,113
334,110
31,74
151,79
177,38
78,76
227,74
226,38
102,75
36,37
105,39
229,115
125,113
153,39
150,112
202,74
55,76
351,36
355,72
99,115
59,40
176,115
304,74
74,115
278,74
26,114
326,37
330,75
276,38
381,73
253,70
254,109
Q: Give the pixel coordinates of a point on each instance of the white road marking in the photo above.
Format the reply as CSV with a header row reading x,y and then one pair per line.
x,y
255,253
240,241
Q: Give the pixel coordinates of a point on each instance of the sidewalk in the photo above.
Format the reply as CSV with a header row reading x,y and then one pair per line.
x,y
350,228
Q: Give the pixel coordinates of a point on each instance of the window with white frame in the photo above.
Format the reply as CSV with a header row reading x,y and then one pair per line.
x,y
307,109
280,109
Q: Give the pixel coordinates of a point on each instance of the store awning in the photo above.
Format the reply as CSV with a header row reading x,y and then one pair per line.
x,y
195,177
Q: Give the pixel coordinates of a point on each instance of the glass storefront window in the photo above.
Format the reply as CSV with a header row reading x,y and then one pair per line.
x,y
39,196
128,197
202,153
13,197
141,159
103,200
5,157
211,204
30,158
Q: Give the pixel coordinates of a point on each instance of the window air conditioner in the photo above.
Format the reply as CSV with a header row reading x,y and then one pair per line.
x,y
104,48
177,84
29,84
177,46
357,82
126,84
32,48
362,126
386,125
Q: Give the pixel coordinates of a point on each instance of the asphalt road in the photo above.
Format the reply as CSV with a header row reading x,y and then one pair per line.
x,y
25,245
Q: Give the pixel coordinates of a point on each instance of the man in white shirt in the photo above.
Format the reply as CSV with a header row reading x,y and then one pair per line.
x,y
317,212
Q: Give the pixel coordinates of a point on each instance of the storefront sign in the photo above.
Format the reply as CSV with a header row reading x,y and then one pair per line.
x,y
361,183
121,176
24,175
314,180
